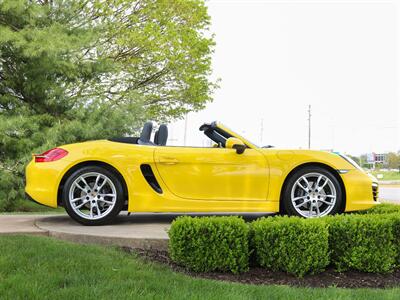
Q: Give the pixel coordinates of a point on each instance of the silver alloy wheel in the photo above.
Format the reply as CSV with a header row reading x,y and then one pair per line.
x,y
313,195
92,196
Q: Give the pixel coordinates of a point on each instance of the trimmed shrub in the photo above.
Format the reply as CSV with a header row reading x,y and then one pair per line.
x,y
395,218
362,242
384,208
210,243
294,245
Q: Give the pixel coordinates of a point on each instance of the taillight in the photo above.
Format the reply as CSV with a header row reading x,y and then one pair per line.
x,y
51,155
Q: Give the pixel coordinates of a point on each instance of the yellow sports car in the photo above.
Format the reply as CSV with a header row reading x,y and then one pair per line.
x,y
95,180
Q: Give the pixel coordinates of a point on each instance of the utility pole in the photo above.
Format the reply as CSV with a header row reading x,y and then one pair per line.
x,y
309,126
184,135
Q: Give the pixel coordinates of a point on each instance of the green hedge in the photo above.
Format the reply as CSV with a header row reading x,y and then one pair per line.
x,y
368,242
385,208
293,245
210,243
362,242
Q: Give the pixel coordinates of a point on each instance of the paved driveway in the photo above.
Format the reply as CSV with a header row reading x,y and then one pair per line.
x,y
389,193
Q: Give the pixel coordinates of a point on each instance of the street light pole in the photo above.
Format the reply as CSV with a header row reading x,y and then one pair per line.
x,y
184,134
309,126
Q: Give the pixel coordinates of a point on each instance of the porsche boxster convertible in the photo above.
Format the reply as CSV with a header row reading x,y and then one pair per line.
x,y
95,180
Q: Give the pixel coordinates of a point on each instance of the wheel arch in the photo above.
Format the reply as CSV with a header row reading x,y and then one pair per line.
x,y
91,163
313,164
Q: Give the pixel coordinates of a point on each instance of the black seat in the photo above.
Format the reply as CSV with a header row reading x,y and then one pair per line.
x,y
144,138
161,136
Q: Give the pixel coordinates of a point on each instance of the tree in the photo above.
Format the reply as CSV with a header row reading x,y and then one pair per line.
x,y
393,160
356,159
87,69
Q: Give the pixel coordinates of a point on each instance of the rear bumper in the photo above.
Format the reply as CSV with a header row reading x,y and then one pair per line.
x,y
361,190
42,181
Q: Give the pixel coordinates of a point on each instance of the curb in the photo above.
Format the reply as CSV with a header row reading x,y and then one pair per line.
x,y
143,243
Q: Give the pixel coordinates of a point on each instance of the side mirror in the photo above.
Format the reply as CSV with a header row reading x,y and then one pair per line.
x,y
235,143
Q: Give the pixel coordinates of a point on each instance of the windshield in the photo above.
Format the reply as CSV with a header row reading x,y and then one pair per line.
x,y
234,133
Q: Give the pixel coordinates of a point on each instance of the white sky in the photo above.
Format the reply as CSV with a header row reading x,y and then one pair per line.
x,y
276,57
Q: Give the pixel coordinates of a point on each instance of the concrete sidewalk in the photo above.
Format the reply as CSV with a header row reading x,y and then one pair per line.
x,y
129,231
20,224
126,231
141,230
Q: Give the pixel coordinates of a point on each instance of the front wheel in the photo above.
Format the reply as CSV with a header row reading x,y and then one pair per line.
x,y
93,195
312,192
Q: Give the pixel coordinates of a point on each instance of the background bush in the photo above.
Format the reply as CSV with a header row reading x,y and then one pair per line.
x,y
293,245
210,243
362,242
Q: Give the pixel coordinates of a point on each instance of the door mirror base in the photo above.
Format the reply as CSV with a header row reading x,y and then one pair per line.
x,y
239,148
235,143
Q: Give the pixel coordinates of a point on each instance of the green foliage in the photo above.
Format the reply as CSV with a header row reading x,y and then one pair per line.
x,y
395,218
210,243
393,160
387,175
75,70
384,208
362,242
293,245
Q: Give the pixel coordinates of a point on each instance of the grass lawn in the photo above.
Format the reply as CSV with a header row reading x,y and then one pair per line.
x,y
44,268
36,209
28,206
389,175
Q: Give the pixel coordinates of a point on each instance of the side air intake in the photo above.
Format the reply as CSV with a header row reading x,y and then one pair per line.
x,y
150,178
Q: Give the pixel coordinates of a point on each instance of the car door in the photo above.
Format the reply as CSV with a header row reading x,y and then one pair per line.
x,y
213,173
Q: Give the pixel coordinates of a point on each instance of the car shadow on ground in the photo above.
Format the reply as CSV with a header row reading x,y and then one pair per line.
x,y
143,218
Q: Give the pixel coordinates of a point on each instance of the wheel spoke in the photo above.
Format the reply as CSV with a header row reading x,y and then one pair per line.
x,y
306,181
301,204
80,205
317,209
298,198
107,195
96,183
318,181
330,196
105,201
79,187
299,184
311,209
84,181
326,202
91,209
77,199
323,185
102,184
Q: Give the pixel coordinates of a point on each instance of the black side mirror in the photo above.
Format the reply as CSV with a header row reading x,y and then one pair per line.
x,y
239,148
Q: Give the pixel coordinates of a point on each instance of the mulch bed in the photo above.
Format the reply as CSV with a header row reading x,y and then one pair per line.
x,y
257,275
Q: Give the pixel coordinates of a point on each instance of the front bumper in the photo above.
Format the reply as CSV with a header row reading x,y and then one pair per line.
x,y
361,190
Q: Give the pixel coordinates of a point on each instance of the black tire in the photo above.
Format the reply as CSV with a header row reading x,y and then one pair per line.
x,y
112,213
288,205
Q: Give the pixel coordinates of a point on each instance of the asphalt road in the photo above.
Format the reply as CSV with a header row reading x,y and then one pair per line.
x,y
389,193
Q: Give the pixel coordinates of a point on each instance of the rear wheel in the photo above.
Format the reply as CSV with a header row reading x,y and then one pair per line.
x,y
93,195
312,192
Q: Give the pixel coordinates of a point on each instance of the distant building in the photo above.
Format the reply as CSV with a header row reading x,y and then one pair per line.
x,y
376,158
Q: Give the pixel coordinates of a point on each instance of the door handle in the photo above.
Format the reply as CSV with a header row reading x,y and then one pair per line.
x,y
168,160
